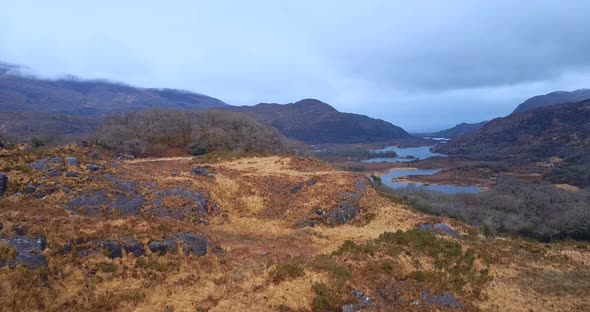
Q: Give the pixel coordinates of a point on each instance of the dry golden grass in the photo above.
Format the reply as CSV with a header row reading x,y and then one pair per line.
x,y
257,227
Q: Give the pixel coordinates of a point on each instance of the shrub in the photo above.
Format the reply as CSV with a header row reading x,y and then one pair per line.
x,y
283,272
154,131
536,210
326,299
38,141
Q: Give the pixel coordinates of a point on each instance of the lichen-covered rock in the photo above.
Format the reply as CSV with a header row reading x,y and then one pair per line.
x,y
20,230
29,251
56,160
121,198
344,213
192,243
3,184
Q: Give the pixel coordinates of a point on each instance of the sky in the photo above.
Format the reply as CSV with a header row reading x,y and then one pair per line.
x,y
422,65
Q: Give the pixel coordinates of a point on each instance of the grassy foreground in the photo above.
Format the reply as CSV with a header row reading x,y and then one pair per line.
x,y
263,255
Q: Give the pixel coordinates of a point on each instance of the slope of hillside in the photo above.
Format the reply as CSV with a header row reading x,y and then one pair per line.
x,y
90,97
553,98
458,130
557,137
315,122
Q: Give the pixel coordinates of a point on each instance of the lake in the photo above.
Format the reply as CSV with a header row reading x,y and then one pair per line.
x,y
420,152
388,180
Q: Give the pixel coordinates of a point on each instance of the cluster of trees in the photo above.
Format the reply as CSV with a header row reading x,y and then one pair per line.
x,y
537,210
153,132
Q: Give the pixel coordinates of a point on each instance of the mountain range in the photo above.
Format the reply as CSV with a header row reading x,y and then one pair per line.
x,y
70,107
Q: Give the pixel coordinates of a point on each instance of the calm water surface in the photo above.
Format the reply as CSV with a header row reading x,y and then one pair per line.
x,y
388,180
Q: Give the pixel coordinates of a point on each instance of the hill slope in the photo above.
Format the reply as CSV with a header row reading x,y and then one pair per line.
x,y
558,136
315,122
553,98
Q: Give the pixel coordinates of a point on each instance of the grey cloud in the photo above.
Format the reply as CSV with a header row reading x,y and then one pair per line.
x,y
419,64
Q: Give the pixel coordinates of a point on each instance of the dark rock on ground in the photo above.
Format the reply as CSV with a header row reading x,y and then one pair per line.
x,y
3,184
134,246
29,251
39,165
20,230
112,249
297,188
72,174
56,160
72,161
94,154
439,227
201,171
446,300
192,243
68,247
311,182
93,167
30,188
67,190
1,226
54,173
162,247
345,212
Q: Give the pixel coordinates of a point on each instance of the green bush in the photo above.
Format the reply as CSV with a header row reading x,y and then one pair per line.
x,y
283,272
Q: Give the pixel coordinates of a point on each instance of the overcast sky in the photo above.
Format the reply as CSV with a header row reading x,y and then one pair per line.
x,y
423,65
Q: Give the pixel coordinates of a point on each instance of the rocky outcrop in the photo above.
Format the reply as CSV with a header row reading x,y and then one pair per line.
x,y
343,213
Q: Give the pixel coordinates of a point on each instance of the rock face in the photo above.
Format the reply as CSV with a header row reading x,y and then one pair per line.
x,y
3,184
345,212
439,227
29,251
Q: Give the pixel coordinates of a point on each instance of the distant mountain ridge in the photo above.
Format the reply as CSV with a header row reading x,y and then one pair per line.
x,y
457,131
553,98
90,97
315,122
